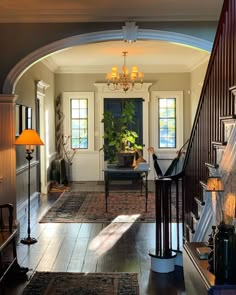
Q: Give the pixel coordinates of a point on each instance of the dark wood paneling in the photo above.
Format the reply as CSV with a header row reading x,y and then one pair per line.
x,y
215,101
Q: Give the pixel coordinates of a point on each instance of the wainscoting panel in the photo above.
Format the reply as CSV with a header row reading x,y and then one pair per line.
x,y
22,183
85,167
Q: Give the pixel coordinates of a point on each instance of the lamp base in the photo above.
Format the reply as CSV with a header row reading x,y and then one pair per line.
x,y
28,241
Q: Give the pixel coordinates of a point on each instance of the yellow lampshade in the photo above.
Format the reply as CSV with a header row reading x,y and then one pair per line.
x,y
134,69
140,75
29,137
114,69
108,76
133,76
214,184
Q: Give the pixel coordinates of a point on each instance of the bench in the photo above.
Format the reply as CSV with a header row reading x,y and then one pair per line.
x,y
8,255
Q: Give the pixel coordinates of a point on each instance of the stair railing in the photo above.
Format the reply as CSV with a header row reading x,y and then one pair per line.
x,y
216,102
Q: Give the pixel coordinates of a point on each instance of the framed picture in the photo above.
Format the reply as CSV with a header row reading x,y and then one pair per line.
x,y
17,120
23,117
29,118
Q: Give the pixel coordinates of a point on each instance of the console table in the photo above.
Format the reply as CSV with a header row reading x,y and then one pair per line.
x,y
116,173
198,280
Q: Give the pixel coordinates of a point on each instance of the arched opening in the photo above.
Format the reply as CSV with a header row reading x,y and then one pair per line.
x,y
144,34
94,38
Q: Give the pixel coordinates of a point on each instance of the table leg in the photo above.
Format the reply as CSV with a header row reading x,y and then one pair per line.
x,y
106,188
146,189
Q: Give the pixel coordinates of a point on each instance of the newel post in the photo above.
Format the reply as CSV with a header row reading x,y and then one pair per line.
x,y
162,257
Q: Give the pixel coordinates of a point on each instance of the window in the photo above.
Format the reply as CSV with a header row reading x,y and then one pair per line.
x,y
166,117
78,108
167,122
79,123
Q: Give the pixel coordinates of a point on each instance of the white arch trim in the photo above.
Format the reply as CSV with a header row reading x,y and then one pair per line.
x,y
143,34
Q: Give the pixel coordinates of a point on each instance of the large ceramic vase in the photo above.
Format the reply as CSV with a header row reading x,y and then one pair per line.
x,y
225,254
125,159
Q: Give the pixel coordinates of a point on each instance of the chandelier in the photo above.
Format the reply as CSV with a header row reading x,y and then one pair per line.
x,y
124,80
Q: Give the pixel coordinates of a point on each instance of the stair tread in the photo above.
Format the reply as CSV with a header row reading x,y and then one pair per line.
x,y
228,118
190,228
215,166
194,216
203,184
219,143
199,202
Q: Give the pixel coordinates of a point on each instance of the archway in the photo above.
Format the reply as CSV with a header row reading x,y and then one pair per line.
x,y
143,34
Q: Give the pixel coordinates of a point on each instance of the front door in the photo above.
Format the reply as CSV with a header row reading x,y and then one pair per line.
x,y
115,106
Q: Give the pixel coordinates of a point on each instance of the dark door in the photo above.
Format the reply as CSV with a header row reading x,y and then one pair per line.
x,y
115,106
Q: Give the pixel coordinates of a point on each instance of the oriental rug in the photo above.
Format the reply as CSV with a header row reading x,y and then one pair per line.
x,y
86,207
45,283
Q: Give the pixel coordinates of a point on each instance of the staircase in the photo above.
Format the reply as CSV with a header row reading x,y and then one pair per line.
x,y
226,161
212,148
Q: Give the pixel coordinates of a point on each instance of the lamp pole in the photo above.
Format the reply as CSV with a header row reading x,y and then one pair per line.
x,y
29,138
29,240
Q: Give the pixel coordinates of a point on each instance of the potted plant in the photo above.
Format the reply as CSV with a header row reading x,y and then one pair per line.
x,y
119,137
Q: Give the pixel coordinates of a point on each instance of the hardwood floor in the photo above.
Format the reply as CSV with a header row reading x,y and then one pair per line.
x,y
74,248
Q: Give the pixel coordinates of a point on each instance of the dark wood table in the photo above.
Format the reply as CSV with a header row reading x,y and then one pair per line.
x,y
120,173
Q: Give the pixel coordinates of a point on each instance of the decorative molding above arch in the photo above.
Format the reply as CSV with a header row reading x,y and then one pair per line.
x,y
41,87
143,34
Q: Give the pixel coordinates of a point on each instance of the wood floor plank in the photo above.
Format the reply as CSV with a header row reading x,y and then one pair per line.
x,y
77,258
91,256
85,230
64,255
49,256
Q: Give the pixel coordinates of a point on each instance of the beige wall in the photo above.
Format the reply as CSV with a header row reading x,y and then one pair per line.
x,y
60,83
164,82
26,91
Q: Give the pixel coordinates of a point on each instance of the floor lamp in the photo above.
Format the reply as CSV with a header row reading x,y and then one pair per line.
x,y
29,138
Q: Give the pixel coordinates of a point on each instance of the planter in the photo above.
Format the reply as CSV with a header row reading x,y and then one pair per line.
x,y
125,159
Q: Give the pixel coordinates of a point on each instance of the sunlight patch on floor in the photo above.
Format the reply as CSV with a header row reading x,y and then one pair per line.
x,y
110,235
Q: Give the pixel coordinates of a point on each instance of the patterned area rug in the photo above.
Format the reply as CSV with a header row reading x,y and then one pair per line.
x,y
45,283
90,207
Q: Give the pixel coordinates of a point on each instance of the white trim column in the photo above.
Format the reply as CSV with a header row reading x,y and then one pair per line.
x,y
41,88
7,150
104,92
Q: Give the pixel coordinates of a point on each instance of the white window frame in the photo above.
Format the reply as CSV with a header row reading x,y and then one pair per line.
x,y
67,96
155,95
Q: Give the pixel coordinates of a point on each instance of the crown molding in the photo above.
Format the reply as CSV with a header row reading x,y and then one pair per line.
x,y
48,62
198,62
70,16
103,70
